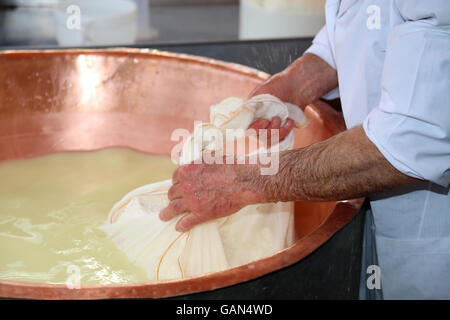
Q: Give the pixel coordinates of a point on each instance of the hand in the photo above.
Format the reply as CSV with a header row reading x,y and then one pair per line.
x,y
282,85
303,82
208,191
279,86
275,124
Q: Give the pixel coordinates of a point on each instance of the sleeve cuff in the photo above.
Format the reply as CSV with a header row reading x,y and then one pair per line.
x,y
405,153
323,52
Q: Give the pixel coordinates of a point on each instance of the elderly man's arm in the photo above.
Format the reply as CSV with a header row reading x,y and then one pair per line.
x,y
406,138
345,166
304,81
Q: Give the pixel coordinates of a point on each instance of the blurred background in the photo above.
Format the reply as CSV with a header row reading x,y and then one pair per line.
x,y
86,23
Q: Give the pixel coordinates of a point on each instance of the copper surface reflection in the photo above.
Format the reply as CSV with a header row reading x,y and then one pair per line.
x,y
63,100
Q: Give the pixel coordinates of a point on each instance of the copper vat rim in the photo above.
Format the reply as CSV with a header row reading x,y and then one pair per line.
x,y
235,67
342,213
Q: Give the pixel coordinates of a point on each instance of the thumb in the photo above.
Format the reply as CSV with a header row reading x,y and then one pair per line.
x,y
263,88
188,222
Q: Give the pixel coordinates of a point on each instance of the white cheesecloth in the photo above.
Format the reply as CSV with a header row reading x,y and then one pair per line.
x,y
254,232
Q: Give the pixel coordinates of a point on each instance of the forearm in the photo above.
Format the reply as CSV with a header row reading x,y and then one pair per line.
x,y
345,166
303,82
311,78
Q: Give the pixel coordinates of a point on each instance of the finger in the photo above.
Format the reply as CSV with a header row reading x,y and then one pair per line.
x,y
265,87
188,221
258,90
274,125
175,192
176,177
175,208
259,124
286,128
181,173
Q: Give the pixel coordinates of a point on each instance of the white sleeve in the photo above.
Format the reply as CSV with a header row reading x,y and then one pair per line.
x,y
321,47
411,125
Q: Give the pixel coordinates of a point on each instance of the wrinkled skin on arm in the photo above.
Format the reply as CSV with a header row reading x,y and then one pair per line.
x,y
345,166
301,83
304,81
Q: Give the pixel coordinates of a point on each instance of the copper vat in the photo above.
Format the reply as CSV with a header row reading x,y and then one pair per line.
x,y
63,100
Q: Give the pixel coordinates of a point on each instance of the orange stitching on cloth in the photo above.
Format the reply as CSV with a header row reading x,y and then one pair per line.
x,y
180,267
164,254
219,114
120,207
226,220
244,106
232,113
129,200
179,263
302,125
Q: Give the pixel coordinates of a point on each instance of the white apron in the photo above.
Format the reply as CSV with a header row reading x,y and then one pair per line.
x,y
393,63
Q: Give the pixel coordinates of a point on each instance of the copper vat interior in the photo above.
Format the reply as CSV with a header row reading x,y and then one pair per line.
x,y
68,100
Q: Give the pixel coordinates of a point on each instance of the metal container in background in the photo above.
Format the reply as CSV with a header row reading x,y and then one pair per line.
x,y
27,22
53,22
272,19
95,23
135,98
